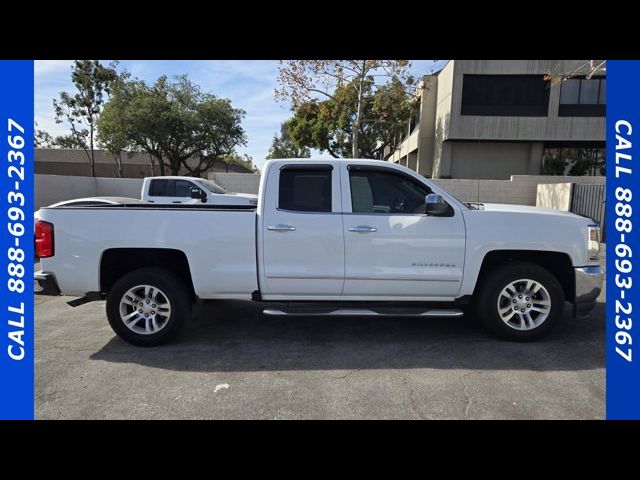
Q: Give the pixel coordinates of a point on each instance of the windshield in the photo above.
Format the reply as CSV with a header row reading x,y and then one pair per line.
x,y
210,186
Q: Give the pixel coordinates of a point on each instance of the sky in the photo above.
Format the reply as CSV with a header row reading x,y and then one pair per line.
x,y
249,84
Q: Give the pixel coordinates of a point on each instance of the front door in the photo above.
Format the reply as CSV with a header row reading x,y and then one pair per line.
x,y
392,248
303,247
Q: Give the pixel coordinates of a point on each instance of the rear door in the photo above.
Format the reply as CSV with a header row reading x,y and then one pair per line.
x,y
392,248
302,234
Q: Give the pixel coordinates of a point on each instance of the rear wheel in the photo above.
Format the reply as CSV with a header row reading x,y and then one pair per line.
x,y
147,307
519,301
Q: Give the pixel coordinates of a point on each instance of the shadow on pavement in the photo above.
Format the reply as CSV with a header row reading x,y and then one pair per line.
x,y
228,336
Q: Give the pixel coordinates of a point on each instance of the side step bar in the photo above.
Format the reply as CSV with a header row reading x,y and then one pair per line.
x,y
363,312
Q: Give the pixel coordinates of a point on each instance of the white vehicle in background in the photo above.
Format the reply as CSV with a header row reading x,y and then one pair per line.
x,y
191,190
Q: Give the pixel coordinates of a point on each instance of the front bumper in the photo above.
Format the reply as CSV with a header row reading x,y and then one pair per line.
x,y
45,284
588,287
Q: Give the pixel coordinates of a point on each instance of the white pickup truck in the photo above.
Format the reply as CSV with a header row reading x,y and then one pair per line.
x,y
343,237
191,190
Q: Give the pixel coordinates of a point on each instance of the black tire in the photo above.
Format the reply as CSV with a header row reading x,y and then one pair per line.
x,y
173,289
488,293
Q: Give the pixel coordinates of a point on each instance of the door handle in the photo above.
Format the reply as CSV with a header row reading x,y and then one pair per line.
x,y
363,229
281,228
176,201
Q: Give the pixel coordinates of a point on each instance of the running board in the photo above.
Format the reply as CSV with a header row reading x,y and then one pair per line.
x,y
363,312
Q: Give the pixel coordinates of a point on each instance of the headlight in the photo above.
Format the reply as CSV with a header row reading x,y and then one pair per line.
x,y
593,242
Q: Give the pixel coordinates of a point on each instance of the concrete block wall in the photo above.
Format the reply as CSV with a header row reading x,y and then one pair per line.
x,y
521,189
51,189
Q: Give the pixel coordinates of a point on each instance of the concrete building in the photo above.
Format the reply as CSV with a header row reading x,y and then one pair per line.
x,y
63,161
491,119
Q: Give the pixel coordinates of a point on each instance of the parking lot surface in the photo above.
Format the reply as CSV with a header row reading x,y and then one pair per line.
x,y
231,363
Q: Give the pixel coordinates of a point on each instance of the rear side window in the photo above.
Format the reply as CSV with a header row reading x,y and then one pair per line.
x,y
305,190
160,188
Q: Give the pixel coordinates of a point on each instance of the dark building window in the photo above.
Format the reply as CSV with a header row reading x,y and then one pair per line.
x,y
580,97
574,159
305,189
505,95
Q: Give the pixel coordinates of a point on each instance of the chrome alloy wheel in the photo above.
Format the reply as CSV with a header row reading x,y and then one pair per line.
x,y
145,309
524,304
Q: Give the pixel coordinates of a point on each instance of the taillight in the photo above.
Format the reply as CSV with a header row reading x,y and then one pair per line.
x,y
44,239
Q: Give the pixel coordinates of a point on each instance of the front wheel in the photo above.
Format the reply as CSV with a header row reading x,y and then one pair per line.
x,y
519,301
147,307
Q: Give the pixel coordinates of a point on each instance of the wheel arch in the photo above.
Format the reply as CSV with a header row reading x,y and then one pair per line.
x,y
557,263
117,262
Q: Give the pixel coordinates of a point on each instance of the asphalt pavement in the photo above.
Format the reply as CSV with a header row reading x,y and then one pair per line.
x,y
231,363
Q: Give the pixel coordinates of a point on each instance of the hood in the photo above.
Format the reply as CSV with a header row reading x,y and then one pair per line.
x,y
525,209
243,195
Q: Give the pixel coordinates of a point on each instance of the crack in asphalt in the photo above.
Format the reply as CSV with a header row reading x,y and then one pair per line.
x,y
468,398
412,399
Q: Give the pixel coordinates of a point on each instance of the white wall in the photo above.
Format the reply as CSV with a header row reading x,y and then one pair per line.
x,y
56,188
237,182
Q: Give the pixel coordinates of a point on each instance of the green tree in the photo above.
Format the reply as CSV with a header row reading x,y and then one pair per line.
x,y
328,125
301,81
178,124
42,138
81,110
245,161
283,145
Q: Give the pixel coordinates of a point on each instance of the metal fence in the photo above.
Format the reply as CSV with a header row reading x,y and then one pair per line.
x,y
589,201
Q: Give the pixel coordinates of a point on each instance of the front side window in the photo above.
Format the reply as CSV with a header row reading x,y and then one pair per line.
x,y
384,191
183,188
305,189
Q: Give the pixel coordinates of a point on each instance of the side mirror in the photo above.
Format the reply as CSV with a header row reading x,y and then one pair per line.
x,y
435,205
198,193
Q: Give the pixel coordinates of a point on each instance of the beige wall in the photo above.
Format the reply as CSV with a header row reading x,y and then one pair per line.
x,y
65,161
519,190
442,119
493,160
556,196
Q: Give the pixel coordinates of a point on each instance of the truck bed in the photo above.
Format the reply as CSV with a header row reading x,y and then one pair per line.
x,y
219,242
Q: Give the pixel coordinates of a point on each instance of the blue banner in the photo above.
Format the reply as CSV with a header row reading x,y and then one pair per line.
x,y
623,248
16,251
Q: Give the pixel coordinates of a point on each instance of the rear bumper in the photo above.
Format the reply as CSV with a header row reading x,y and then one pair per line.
x,y
45,284
588,287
